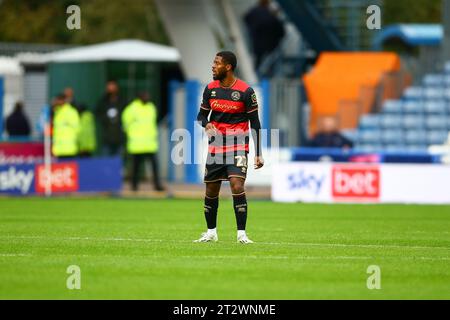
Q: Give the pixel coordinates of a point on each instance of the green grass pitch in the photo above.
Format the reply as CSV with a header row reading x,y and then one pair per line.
x,y
142,249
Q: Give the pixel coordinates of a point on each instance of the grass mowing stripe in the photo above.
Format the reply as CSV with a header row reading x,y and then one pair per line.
x,y
344,245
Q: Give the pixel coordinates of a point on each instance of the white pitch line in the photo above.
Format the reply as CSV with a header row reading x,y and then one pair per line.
x,y
367,246
15,255
314,258
301,244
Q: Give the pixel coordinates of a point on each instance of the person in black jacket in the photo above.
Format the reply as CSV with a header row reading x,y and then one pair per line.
x,y
329,136
265,29
17,124
109,110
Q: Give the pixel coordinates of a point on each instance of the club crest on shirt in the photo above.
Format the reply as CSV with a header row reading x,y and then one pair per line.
x,y
235,95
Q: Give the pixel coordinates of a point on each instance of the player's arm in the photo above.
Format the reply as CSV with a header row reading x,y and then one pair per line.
x,y
203,114
202,117
251,106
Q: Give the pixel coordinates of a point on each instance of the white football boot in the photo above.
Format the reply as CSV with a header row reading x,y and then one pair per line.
x,y
208,237
242,238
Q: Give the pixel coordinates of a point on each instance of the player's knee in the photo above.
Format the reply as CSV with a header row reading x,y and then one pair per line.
x,y
212,194
237,186
212,191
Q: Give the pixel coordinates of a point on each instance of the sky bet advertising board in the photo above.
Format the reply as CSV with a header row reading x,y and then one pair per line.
x,y
99,175
356,183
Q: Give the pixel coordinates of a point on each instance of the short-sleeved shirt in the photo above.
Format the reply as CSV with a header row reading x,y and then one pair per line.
x,y
230,108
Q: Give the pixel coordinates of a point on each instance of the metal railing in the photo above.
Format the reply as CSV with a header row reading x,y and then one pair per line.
x,y
286,110
348,18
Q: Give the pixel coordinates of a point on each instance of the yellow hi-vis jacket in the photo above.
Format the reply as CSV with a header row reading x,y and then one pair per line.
x,y
86,139
66,127
139,121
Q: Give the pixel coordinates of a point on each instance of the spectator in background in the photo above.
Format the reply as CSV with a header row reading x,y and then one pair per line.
x,y
86,139
66,127
108,112
266,30
17,124
140,124
328,136
70,99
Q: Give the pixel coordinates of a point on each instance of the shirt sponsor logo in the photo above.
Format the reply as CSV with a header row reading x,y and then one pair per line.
x,y
224,107
356,182
14,179
63,177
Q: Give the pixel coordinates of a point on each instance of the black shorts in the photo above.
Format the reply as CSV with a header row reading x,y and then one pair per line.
x,y
226,166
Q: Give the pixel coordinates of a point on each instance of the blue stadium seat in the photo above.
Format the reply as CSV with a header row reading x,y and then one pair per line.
x,y
413,107
413,93
434,93
368,148
390,121
416,137
434,80
436,123
447,93
438,107
447,80
352,135
399,148
392,137
413,122
417,148
447,67
369,121
437,136
369,136
392,107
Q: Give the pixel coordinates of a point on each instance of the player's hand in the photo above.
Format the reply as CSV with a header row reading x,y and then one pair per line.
x,y
211,130
259,162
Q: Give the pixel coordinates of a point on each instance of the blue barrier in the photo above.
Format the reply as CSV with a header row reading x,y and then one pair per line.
x,y
192,107
339,155
265,88
78,175
173,86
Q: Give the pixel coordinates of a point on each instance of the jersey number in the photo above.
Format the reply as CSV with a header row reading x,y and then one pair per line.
x,y
241,161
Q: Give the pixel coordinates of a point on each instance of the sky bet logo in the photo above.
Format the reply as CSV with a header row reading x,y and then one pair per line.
x,y
14,179
301,180
356,182
63,177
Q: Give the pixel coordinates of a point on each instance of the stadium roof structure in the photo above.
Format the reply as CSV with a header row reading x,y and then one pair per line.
x,y
121,50
10,66
411,34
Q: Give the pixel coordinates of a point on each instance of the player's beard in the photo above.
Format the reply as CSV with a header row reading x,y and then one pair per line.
x,y
220,76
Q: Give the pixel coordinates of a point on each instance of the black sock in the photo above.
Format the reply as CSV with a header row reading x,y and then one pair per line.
x,y
240,210
211,205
